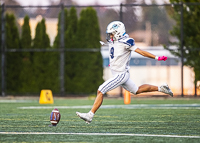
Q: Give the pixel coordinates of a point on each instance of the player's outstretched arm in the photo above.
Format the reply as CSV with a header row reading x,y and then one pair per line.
x,y
149,55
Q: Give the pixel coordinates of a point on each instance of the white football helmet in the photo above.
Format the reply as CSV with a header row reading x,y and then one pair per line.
x,y
117,28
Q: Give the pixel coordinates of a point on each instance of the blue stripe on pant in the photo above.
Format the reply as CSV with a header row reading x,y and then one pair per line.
x,y
114,82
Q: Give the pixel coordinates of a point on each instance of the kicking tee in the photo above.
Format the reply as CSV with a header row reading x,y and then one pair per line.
x,y
120,53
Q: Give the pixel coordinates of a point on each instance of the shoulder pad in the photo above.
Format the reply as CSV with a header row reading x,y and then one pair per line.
x,y
128,41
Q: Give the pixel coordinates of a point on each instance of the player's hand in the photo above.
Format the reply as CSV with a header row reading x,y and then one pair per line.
x,y
162,58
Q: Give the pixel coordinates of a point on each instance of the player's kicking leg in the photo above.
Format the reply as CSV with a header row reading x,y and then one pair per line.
x,y
150,88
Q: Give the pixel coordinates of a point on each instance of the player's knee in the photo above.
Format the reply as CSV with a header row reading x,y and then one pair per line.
x,y
135,91
138,91
99,92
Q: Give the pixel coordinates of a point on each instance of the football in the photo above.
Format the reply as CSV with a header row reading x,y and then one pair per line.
x,y
55,117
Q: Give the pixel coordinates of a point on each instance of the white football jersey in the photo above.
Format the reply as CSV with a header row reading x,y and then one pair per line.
x,y
120,53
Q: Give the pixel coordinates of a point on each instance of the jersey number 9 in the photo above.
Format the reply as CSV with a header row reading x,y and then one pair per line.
x,y
112,53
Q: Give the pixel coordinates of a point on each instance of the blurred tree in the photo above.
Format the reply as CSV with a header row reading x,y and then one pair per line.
x,y
45,71
27,61
191,30
130,18
56,43
13,59
37,66
94,76
89,75
0,52
80,65
159,21
71,57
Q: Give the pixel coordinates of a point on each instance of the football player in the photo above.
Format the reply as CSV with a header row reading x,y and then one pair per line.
x,y
120,47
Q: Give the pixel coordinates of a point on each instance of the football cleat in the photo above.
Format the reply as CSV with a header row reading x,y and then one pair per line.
x,y
165,89
85,116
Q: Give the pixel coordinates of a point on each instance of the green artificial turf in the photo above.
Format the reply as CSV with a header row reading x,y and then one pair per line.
x,y
181,121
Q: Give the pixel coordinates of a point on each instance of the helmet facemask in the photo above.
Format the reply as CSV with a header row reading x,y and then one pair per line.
x,y
108,37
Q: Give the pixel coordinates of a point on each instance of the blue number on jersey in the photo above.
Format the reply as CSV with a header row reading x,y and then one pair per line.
x,y
112,53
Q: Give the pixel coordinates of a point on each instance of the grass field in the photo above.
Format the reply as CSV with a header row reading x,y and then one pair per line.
x,y
144,120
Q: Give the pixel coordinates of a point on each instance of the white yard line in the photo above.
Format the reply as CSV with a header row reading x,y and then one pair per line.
x,y
17,101
96,134
135,106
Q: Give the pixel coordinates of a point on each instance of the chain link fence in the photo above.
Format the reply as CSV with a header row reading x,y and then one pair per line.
x,y
149,25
